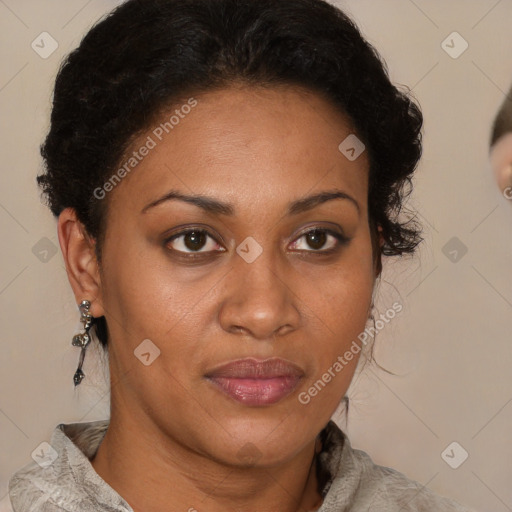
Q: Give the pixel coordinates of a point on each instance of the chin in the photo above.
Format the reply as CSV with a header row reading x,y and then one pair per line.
x,y
262,439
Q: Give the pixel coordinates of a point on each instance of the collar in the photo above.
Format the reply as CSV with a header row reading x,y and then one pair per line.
x,y
71,481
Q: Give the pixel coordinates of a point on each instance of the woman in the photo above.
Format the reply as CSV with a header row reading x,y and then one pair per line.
x,y
226,175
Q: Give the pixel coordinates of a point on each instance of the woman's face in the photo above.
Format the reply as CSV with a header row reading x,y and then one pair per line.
x,y
247,281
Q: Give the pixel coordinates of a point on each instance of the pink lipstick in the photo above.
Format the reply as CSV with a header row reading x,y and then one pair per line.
x,y
255,382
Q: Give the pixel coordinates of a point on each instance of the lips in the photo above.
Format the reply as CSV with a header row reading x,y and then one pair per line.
x,y
255,382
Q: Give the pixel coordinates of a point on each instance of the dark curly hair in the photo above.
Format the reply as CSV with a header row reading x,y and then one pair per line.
x,y
146,54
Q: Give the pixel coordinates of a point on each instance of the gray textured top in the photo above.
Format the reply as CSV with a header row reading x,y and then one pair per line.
x,y
65,480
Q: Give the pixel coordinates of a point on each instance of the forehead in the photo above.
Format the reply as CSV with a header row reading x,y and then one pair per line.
x,y
252,146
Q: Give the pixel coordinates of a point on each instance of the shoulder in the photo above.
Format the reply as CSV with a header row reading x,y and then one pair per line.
x,y
358,484
39,485
391,490
61,477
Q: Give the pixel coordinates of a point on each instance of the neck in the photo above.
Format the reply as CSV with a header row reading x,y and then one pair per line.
x,y
150,470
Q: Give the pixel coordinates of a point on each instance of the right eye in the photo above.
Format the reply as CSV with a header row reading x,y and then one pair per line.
x,y
192,241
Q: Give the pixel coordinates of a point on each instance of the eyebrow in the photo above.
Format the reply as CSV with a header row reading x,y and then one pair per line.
x,y
216,207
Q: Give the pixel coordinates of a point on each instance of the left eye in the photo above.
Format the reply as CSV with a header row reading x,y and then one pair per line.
x,y
317,239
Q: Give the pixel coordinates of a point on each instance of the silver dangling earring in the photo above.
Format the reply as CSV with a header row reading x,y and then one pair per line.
x,y
83,339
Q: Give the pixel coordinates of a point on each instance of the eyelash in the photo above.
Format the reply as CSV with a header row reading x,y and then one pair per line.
x,y
340,239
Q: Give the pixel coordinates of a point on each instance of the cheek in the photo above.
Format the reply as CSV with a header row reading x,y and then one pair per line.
x,y
340,304
346,293
342,317
147,302
141,287
148,298
336,346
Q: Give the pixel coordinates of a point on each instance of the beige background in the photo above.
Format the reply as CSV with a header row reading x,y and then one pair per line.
x,y
450,346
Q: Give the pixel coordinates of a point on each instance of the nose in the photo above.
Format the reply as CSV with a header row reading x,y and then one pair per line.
x,y
259,299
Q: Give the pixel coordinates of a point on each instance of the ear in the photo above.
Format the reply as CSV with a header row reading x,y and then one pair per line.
x,y
78,250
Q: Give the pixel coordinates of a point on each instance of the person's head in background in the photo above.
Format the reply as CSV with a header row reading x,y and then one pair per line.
x,y
285,154
500,151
